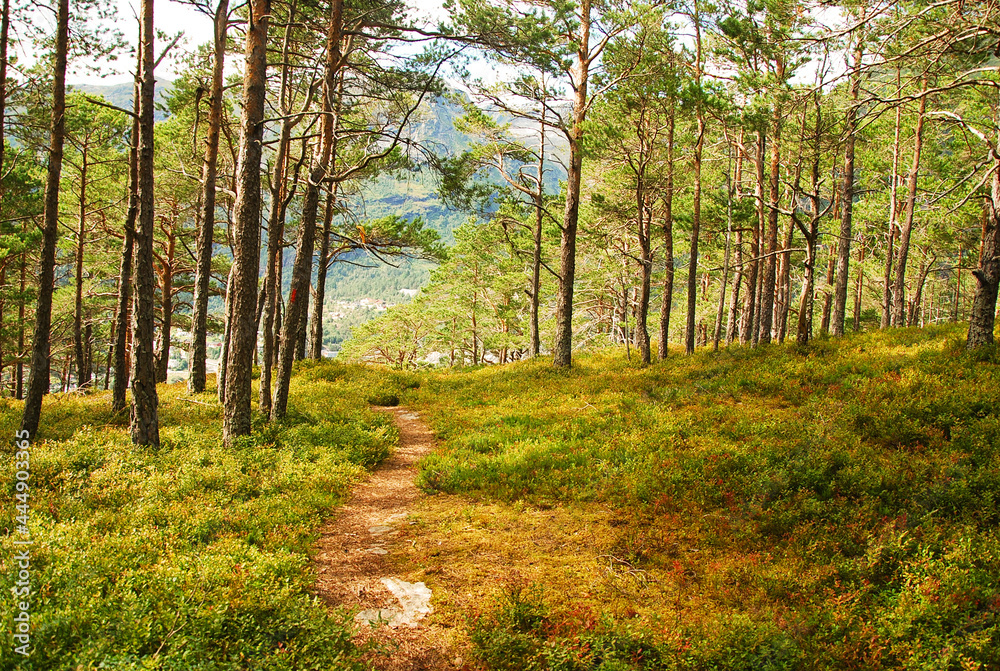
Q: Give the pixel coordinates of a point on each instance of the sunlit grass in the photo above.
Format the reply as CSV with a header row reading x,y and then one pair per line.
x,y
832,506
189,555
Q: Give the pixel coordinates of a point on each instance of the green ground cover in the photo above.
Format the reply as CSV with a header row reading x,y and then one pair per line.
x,y
831,507
189,556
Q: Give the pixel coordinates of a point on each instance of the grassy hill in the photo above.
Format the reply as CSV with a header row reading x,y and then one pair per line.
x,y
832,507
827,507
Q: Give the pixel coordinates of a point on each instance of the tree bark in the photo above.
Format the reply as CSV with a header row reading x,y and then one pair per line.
x,y
893,213
38,377
124,302
536,238
668,242
751,315
166,308
206,232
82,371
144,416
984,304
246,230
579,78
899,285
298,298
771,267
844,241
692,283
319,295
860,284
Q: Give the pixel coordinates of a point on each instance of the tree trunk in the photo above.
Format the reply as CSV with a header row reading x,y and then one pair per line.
x,y
38,378
644,220
298,298
899,285
246,229
166,309
536,235
579,76
82,372
771,267
206,232
751,314
319,296
914,317
984,304
144,417
844,242
227,334
717,334
19,383
808,297
668,243
860,284
785,282
893,214
692,283
123,311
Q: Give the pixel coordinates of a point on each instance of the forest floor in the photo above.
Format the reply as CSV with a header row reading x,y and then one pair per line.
x,y
362,552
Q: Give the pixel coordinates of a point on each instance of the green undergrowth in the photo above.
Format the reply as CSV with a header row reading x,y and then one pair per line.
x,y
190,555
833,506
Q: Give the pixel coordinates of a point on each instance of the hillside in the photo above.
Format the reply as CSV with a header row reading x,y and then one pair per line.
x,y
832,507
828,507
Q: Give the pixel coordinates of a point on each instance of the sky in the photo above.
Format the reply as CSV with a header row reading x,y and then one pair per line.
x,y
172,17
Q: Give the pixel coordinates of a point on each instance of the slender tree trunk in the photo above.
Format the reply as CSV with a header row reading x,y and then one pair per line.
x,y
82,373
227,334
319,296
984,304
4,29
144,416
914,318
689,335
246,229
19,383
206,232
958,287
770,269
899,285
38,380
808,297
828,298
272,280
644,221
123,310
893,214
844,241
860,284
536,254
166,309
732,329
751,314
110,360
717,335
298,299
579,75
668,243
785,282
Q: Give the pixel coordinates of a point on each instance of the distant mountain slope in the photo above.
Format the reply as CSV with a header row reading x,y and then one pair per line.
x,y
120,95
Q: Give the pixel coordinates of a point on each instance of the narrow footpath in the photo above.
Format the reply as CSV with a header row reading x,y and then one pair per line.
x,y
355,561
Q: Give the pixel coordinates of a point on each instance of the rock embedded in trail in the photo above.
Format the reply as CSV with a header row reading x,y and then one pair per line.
x,y
414,600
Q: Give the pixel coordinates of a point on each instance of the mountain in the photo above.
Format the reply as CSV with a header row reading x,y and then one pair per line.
x,y
120,95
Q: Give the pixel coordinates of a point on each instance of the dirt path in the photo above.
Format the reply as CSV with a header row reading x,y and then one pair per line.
x,y
359,553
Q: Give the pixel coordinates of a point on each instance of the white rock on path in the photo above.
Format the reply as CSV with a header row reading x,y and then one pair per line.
x,y
415,599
